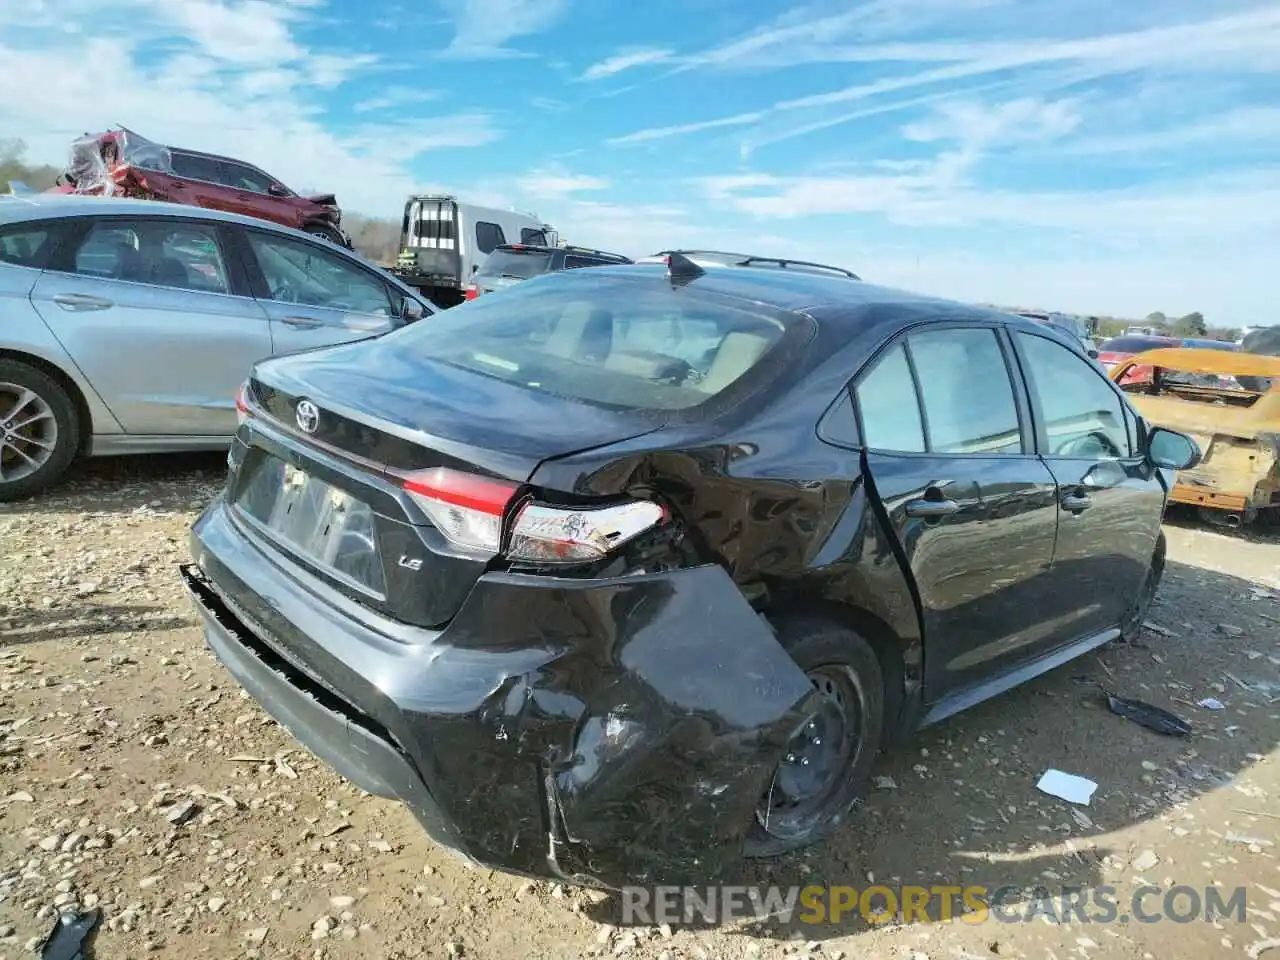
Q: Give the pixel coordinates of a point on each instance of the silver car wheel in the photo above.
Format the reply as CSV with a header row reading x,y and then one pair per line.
x,y
28,432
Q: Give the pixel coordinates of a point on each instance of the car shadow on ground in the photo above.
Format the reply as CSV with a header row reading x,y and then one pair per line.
x,y
84,621
958,805
128,484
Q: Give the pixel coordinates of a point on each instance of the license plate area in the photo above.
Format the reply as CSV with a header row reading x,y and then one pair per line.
x,y
314,520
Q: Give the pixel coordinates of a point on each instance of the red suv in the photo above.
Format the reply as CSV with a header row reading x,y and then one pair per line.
x,y
123,163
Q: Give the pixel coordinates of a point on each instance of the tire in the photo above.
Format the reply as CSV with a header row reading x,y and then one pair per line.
x,y
325,233
47,429
831,656
1137,612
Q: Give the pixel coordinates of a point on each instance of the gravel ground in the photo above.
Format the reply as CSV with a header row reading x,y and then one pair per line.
x,y
134,776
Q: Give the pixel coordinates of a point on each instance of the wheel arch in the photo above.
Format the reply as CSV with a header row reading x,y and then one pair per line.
x,y
888,647
68,383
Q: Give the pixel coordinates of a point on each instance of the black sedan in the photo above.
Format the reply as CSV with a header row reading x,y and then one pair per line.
x,y
633,570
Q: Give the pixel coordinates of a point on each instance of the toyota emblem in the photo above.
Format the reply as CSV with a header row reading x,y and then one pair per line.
x,y
308,416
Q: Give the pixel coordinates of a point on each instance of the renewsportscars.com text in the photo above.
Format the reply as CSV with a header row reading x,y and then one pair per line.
x,y
906,904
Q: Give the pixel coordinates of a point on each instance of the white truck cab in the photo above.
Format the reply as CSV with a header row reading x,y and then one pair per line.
x,y
444,241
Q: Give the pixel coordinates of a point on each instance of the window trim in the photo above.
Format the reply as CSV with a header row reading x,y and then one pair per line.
x,y
262,291
1033,400
62,259
1017,385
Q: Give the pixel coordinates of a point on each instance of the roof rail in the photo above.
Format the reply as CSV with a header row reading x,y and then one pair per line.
x,y
784,263
598,253
747,260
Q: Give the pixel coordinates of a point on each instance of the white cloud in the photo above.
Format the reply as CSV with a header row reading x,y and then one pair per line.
x,y
662,133
1230,129
248,32
483,27
1248,41
625,61
396,98
557,183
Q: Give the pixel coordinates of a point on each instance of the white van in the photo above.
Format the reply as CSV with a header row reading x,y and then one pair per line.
x,y
444,241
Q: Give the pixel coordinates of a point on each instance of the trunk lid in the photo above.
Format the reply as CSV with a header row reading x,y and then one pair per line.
x,y
332,497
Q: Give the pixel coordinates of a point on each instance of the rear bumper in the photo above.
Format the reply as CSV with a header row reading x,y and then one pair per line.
x,y
604,732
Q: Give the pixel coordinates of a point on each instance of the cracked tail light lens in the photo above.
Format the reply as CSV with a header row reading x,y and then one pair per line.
x,y
556,535
242,404
468,511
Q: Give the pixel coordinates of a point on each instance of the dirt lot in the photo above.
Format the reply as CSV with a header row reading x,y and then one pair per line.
x,y
115,724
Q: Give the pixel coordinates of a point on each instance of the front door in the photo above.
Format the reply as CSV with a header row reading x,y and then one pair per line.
x,y
949,449
1110,499
248,191
316,296
145,309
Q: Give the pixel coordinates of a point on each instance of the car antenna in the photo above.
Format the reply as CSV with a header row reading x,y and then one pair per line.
x,y
682,270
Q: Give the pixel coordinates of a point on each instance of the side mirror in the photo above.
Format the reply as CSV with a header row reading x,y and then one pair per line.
x,y
1173,450
411,310
278,190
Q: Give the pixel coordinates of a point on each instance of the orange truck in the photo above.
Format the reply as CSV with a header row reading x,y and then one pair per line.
x,y
1229,403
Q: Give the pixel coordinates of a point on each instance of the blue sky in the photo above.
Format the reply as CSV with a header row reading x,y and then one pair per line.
x,y
1069,154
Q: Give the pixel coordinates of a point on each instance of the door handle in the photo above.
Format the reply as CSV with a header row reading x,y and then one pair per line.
x,y
303,323
1076,502
81,301
931,509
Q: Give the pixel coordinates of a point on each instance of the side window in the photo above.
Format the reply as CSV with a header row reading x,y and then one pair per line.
x,y
160,252
968,398
1083,415
307,274
535,238
887,401
573,263
839,425
24,245
194,167
489,236
238,176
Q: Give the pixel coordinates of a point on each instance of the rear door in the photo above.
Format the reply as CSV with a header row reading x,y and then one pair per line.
x,y
949,449
314,295
1110,499
154,316
197,182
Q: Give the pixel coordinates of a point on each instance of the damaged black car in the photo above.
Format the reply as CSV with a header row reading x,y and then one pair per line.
x,y
633,571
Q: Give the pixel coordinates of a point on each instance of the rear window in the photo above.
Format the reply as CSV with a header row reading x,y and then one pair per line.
x,y
1135,344
515,264
609,342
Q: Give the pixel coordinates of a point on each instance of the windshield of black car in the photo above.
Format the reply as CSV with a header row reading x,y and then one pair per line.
x,y
517,264
611,342
1134,344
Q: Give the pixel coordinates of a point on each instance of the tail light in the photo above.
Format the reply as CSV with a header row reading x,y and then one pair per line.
x,y
469,292
468,511
242,404
465,508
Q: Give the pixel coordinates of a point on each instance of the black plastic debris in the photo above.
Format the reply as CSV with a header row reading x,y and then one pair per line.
x,y
69,938
1153,718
